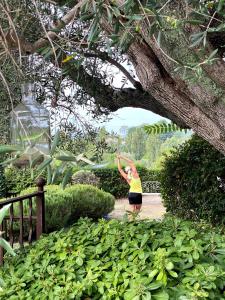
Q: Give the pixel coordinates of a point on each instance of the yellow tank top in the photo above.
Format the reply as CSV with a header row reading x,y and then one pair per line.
x,y
135,185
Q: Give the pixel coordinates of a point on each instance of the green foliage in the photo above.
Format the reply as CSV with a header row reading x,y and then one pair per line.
x,y
20,179
112,182
135,142
2,182
3,242
189,181
162,128
172,259
64,207
85,177
58,163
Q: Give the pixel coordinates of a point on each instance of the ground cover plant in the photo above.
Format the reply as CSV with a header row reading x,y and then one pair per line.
x,y
172,259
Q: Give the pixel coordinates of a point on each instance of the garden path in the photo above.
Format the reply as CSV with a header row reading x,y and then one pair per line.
x,y
152,207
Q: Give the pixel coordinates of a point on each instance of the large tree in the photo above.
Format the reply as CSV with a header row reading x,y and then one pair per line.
x,y
175,47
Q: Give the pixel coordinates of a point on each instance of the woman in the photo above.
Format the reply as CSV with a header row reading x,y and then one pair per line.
x,y
133,179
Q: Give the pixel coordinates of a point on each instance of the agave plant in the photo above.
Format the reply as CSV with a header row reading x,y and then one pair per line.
x,y
3,242
56,163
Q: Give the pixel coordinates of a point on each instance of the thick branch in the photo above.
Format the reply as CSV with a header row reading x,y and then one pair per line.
x,y
114,99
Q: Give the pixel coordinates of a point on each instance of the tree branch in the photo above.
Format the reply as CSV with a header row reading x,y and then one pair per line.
x,y
69,17
114,99
105,57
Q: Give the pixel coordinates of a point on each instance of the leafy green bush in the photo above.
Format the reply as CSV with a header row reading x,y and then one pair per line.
x,y
189,181
64,207
3,189
85,177
19,179
172,259
112,182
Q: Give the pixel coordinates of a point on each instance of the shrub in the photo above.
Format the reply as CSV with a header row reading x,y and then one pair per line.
x,y
189,184
172,259
85,177
112,182
2,183
64,207
19,179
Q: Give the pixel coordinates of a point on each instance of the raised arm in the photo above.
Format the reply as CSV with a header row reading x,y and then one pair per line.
x,y
130,163
124,175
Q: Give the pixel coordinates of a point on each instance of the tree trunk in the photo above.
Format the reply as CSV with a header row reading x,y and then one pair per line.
x,y
176,97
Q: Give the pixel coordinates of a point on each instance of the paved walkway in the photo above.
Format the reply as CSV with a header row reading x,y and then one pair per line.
x,y
152,207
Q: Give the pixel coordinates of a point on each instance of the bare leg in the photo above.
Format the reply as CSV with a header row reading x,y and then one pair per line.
x,y
133,207
137,207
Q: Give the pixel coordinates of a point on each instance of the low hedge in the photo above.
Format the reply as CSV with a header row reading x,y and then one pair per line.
x,y
189,185
112,182
64,207
172,259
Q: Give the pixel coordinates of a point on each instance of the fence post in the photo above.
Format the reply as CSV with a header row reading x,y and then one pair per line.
x,y
40,204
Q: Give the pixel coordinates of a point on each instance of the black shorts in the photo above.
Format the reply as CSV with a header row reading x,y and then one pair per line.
x,y
135,198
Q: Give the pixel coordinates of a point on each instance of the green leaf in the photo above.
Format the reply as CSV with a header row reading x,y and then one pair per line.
x,y
7,247
147,296
154,286
49,174
161,296
36,160
4,211
159,38
55,142
173,274
212,54
32,137
169,266
10,148
66,158
44,164
55,174
198,38
66,178
220,5
10,160
79,261
220,251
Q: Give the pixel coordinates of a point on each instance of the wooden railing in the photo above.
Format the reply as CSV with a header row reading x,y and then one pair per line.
x,y
35,214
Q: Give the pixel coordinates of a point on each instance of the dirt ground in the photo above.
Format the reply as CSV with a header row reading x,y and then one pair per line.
x,y
152,207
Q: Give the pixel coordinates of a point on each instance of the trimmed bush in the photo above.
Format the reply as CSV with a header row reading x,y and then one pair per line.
x,y
85,177
64,207
111,181
189,183
172,259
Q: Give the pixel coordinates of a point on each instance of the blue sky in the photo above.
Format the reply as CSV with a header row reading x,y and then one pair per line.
x,y
131,117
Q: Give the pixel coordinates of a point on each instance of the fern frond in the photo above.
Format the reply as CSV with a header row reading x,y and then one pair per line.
x,y
162,128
